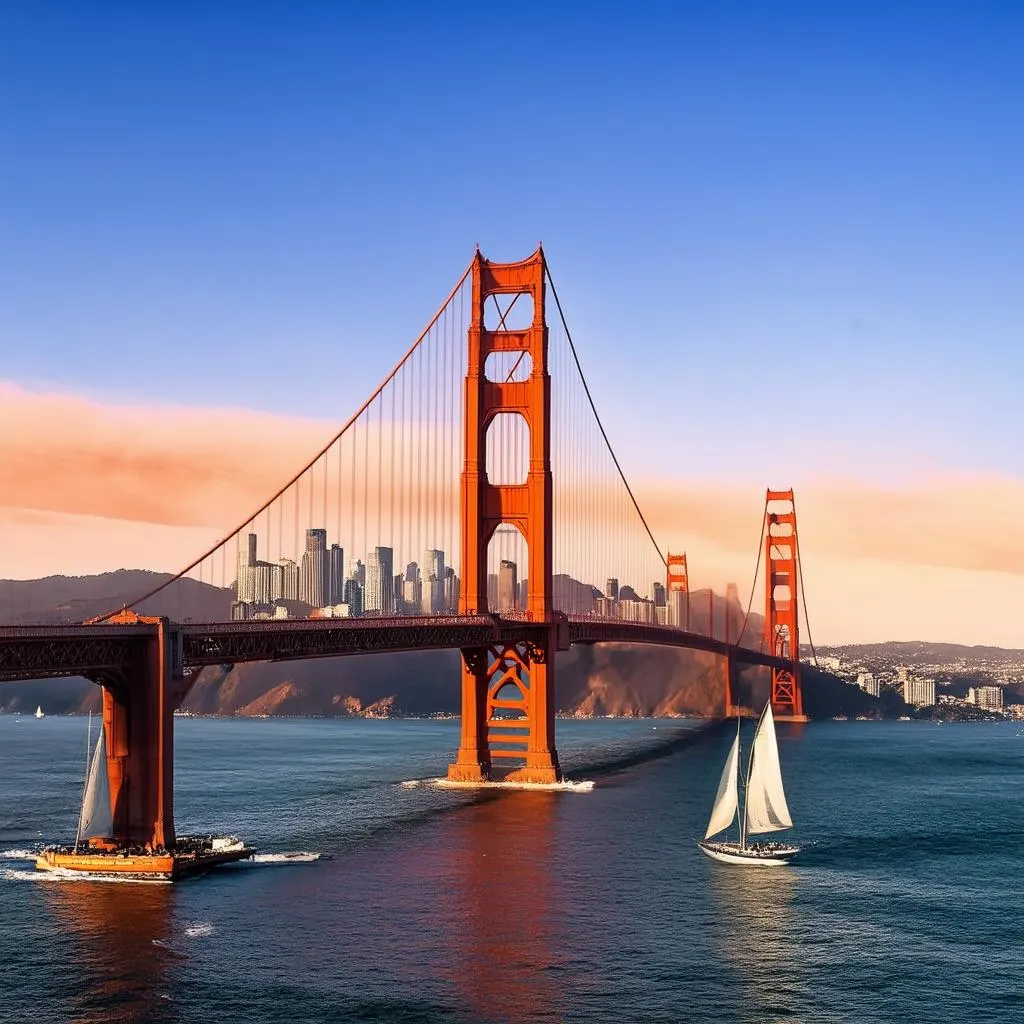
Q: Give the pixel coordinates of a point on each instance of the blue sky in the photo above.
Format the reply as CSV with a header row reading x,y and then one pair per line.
x,y
801,214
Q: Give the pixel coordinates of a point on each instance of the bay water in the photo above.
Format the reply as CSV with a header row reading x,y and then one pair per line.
x,y
587,904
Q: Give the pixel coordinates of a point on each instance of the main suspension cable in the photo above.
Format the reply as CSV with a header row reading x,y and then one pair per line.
x,y
312,462
600,425
753,585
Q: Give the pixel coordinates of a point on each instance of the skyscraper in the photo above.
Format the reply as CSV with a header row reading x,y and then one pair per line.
x,y
611,589
244,582
289,580
314,572
432,598
508,591
353,596
336,570
379,591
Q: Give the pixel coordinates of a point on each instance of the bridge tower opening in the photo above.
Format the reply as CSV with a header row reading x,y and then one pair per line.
x,y
781,619
508,694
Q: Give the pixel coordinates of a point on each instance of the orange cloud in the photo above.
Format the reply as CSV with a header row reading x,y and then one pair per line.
x,y
973,523
161,464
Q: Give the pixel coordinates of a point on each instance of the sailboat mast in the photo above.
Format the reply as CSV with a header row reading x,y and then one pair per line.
x,y
739,777
85,782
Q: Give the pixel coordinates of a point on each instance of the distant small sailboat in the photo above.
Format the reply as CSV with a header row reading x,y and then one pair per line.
x,y
764,805
39,711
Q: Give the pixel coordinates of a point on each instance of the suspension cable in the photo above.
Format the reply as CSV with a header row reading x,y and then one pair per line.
x,y
600,425
803,598
753,585
312,462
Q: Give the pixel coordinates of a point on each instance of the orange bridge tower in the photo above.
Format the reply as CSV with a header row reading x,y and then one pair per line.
x,y
508,699
781,617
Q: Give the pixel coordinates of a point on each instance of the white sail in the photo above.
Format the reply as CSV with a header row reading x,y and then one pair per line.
x,y
766,799
97,820
725,799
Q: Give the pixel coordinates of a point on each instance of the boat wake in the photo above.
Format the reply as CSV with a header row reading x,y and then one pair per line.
x,y
17,855
63,875
298,857
201,930
565,786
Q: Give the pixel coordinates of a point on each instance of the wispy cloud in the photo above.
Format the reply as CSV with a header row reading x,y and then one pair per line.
x,y
87,486
173,466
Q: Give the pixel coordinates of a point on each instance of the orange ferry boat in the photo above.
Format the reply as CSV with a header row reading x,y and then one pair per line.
x,y
95,853
191,855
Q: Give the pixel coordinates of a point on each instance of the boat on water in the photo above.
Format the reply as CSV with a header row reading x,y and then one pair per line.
x,y
97,853
39,711
764,805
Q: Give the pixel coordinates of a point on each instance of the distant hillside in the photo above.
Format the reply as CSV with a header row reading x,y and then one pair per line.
x,y
616,680
60,599
923,652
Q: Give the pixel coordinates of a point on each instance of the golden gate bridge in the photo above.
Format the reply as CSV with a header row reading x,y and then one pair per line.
x,y
482,446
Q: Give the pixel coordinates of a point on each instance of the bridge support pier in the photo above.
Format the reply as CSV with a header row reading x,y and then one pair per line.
x,y
508,711
138,706
731,671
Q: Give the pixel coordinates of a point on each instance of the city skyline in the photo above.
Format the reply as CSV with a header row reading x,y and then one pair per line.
x,y
317,584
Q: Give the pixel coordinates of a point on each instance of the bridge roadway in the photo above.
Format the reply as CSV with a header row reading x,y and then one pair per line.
x,y
38,652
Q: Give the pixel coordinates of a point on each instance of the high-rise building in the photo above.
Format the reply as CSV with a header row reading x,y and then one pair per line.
x,y
336,573
379,589
433,564
314,572
611,589
919,692
658,592
452,590
246,560
868,683
359,573
988,697
678,609
412,597
353,596
508,586
289,580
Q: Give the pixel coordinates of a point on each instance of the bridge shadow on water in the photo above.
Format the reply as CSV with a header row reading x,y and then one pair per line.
x,y
676,741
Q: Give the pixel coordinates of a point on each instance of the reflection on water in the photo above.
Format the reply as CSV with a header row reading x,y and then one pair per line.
x,y
505,959
111,928
754,929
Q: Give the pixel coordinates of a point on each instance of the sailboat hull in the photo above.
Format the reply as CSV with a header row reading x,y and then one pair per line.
x,y
754,855
193,856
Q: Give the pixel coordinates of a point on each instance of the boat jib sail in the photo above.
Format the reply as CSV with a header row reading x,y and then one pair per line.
x,y
726,799
766,808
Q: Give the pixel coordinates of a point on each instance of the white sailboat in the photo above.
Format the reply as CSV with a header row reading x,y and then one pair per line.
x,y
96,820
764,807
39,711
